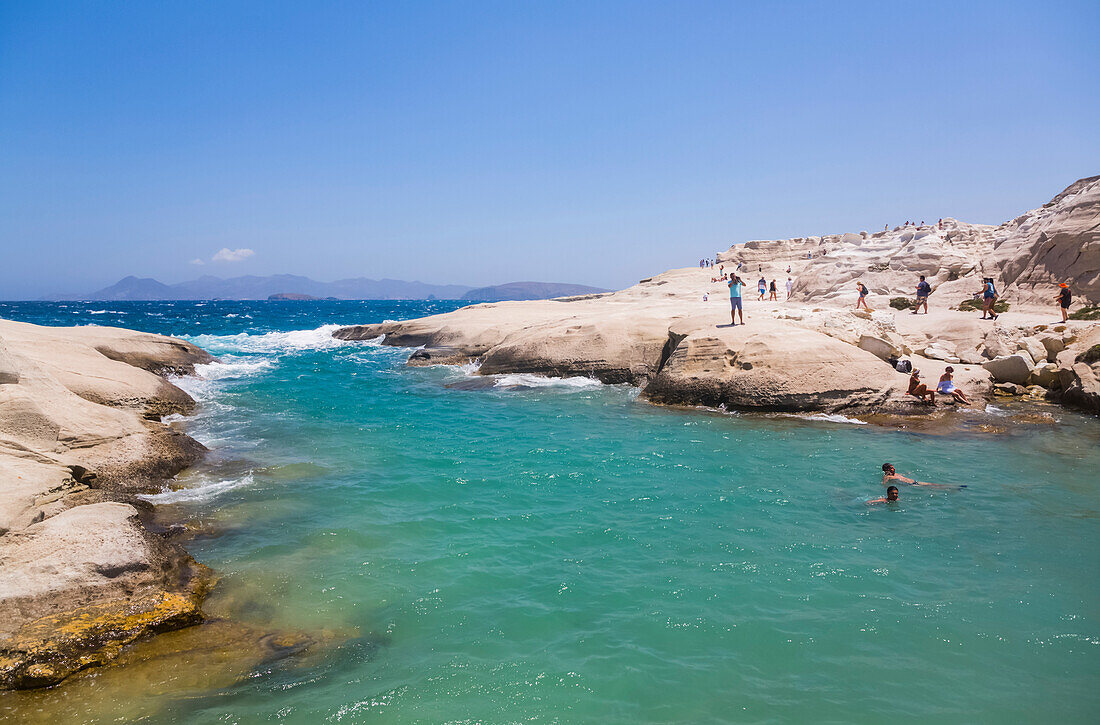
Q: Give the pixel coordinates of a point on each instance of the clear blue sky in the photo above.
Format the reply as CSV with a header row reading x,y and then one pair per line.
x,y
484,142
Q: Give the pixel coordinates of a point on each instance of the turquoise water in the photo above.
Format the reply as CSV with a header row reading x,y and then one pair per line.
x,y
559,551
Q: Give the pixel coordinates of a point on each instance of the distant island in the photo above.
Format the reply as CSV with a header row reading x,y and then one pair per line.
x,y
296,287
528,291
294,296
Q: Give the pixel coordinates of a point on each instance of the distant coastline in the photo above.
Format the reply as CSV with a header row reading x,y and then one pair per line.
x,y
296,287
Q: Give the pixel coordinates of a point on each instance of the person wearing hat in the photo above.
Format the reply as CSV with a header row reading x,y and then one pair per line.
x,y
1063,299
920,390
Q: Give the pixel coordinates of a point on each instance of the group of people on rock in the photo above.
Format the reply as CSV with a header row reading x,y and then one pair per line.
x,y
988,295
886,227
763,288
946,386
769,291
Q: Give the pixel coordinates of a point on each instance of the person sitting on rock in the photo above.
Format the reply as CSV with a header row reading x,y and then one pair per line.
x,y
1064,299
947,386
919,389
863,292
923,290
891,495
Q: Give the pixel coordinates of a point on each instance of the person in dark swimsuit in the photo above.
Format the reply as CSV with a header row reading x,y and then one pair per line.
x,y
1064,299
863,291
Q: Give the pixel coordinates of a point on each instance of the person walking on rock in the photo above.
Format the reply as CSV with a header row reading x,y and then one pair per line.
x,y
735,286
762,287
989,298
771,289
923,290
1064,299
790,286
863,292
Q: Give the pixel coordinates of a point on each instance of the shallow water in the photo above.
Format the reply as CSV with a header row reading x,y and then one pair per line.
x,y
558,551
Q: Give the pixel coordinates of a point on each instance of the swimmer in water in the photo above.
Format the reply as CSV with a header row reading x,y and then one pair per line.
x,y
890,475
891,495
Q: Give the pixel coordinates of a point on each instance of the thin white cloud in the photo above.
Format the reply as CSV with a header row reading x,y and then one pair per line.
x,y
225,254
197,261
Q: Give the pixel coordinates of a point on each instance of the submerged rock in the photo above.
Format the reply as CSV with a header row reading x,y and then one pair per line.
x,y
83,583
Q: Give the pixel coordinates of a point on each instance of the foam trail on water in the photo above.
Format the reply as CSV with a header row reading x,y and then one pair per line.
x,y
829,418
199,493
528,380
203,384
272,342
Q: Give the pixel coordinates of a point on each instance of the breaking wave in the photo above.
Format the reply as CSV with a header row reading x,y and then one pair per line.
x,y
527,380
271,342
201,492
828,418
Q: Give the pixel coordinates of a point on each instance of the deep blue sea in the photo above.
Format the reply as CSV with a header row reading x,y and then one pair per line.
x,y
558,551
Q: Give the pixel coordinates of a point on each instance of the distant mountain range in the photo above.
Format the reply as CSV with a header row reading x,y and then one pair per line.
x,y
528,291
290,286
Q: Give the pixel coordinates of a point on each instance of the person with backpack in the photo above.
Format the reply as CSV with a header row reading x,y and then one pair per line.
x,y
989,298
863,292
1064,299
923,290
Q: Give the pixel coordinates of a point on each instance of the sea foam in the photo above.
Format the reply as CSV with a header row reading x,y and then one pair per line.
x,y
319,338
202,492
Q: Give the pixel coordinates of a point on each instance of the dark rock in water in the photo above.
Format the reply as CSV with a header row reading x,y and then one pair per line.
x,y
438,356
474,382
1008,389
485,382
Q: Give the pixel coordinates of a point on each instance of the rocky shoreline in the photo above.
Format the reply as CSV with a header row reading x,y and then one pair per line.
x,y
670,334
84,572
81,572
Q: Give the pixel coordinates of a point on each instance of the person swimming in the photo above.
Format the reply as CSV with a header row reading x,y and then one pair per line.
x,y
890,475
891,495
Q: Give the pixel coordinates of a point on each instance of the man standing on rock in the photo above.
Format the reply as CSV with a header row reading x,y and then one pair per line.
x,y
735,299
762,288
923,290
790,286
